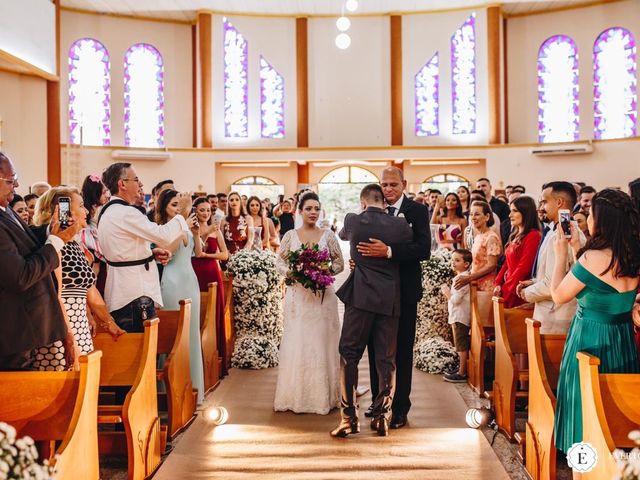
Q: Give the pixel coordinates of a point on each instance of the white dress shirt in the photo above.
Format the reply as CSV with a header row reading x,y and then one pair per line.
x,y
218,215
397,205
459,305
125,234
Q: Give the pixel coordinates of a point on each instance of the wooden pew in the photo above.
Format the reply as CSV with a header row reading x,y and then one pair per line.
x,y
209,337
545,354
229,327
511,340
481,330
58,406
173,340
131,362
610,410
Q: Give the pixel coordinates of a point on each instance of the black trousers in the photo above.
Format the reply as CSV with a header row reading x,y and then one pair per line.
x,y
404,359
20,361
131,317
358,328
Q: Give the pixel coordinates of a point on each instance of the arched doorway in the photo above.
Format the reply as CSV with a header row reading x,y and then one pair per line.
x,y
339,191
445,182
261,187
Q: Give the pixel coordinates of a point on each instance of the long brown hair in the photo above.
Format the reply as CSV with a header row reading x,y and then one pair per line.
x,y
243,211
164,200
527,208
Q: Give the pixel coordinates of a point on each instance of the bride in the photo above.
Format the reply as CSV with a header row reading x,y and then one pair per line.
x,y
308,375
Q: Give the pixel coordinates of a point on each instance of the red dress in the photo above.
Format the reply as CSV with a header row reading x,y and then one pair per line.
x,y
208,270
236,234
519,259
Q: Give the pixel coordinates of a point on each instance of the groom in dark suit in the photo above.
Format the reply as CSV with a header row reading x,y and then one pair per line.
x,y
409,254
371,296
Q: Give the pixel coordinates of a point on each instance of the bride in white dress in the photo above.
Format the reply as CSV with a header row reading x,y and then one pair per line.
x,y
308,375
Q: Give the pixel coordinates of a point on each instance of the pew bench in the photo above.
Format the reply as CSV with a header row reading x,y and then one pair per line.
x,y
229,325
209,337
482,343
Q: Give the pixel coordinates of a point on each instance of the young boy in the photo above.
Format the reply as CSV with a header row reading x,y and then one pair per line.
x,y
459,306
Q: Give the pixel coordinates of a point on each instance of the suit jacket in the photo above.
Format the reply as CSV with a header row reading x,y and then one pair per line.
x,y
374,280
411,253
554,318
31,314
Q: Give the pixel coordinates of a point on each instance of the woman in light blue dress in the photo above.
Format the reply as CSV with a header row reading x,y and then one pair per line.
x,y
179,281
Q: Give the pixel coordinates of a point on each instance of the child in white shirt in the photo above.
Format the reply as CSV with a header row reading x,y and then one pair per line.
x,y
459,306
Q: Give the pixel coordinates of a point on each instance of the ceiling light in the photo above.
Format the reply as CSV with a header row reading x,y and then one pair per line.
x,y
351,5
343,41
343,24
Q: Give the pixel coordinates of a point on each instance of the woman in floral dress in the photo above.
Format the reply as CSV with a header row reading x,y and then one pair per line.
x,y
237,225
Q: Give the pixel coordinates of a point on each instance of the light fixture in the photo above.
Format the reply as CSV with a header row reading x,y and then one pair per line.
x,y
255,164
479,417
216,415
343,24
343,41
351,5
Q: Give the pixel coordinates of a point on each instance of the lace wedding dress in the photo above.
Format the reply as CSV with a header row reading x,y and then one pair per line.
x,y
309,371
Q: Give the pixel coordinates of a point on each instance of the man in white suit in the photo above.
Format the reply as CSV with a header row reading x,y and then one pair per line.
x,y
554,318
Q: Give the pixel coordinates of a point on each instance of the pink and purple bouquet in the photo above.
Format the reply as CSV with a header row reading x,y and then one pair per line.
x,y
310,266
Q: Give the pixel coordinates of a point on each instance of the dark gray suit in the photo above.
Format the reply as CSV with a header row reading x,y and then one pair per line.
x,y
371,295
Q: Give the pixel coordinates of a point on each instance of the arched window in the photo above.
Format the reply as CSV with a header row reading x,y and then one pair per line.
x,y
143,97
254,180
445,182
261,187
339,191
236,86
89,93
614,84
426,91
558,113
463,77
349,175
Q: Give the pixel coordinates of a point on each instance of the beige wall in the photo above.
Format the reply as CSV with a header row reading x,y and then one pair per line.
x,y
118,34
23,110
524,37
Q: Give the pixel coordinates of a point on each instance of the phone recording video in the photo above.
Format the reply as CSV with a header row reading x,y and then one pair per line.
x,y
64,211
565,222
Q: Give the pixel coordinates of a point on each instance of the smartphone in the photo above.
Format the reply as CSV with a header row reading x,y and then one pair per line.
x,y
565,222
64,211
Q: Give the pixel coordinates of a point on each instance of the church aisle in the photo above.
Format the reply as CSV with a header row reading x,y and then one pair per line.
x,y
260,443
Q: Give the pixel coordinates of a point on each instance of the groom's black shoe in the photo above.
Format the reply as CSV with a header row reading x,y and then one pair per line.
x,y
381,425
398,421
348,426
369,412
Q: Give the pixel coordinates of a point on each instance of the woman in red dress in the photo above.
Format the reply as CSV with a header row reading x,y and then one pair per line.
x,y
237,226
520,252
207,267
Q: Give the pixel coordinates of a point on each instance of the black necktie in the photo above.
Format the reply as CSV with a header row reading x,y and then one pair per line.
x,y
391,210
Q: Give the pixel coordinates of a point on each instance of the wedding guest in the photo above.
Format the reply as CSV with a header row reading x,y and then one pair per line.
x,y
498,207
244,199
94,194
179,280
222,205
19,206
260,220
160,187
452,221
520,252
39,188
237,226
459,307
284,214
432,201
581,219
586,196
503,198
31,199
508,190
604,279
465,199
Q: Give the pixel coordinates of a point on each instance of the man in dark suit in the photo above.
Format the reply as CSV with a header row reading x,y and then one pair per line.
x,y
31,314
409,254
371,296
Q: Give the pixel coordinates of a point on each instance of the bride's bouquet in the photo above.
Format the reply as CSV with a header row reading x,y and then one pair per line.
x,y
310,266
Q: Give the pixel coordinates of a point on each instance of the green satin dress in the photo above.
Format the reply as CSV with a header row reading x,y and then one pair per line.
x,y
602,326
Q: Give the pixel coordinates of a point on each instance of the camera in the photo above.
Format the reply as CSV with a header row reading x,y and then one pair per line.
x,y
565,222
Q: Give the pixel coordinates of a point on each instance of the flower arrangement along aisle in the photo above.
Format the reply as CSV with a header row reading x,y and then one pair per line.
x,y
629,462
257,299
310,267
19,457
433,351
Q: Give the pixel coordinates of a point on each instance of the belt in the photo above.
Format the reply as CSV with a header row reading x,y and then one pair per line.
x,y
132,263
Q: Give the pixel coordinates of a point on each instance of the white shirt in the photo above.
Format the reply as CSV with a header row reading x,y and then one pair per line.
x,y
218,215
397,205
459,304
125,234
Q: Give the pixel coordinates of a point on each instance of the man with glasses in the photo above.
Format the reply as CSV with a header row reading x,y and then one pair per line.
x,y
31,313
126,235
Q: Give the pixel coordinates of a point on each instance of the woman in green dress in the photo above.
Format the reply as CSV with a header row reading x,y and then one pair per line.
x,y
604,281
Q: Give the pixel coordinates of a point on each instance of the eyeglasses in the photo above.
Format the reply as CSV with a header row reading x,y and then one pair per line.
x,y
11,181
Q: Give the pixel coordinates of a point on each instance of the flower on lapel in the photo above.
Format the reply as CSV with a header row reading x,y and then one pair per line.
x,y
401,215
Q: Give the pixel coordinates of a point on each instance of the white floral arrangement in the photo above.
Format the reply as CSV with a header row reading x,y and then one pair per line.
x,y
629,462
19,457
436,355
257,298
433,317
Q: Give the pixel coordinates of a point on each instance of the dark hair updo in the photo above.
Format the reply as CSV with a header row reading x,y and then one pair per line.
x,y
306,197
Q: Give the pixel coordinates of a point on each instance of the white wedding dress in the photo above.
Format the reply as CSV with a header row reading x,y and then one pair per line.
x,y
309,371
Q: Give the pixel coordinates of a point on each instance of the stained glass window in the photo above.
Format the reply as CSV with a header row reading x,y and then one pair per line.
x,y
614,84
143,97
427,98
89,93
236,87
558,104
271,101
463,76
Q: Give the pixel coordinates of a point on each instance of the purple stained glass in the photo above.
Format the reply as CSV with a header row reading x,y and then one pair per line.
x,y
236,86
89,93
463,77
143,97
558,90
271,101
426,91
614,84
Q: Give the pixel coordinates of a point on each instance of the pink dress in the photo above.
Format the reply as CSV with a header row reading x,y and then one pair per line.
x,y
484,245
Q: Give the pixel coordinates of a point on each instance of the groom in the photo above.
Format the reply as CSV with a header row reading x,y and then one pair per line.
x,y
371,296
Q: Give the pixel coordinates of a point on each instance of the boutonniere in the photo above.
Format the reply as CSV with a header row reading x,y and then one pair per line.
x,y
401,215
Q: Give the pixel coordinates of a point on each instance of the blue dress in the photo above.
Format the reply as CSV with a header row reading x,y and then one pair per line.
x,y
179,281
602,326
